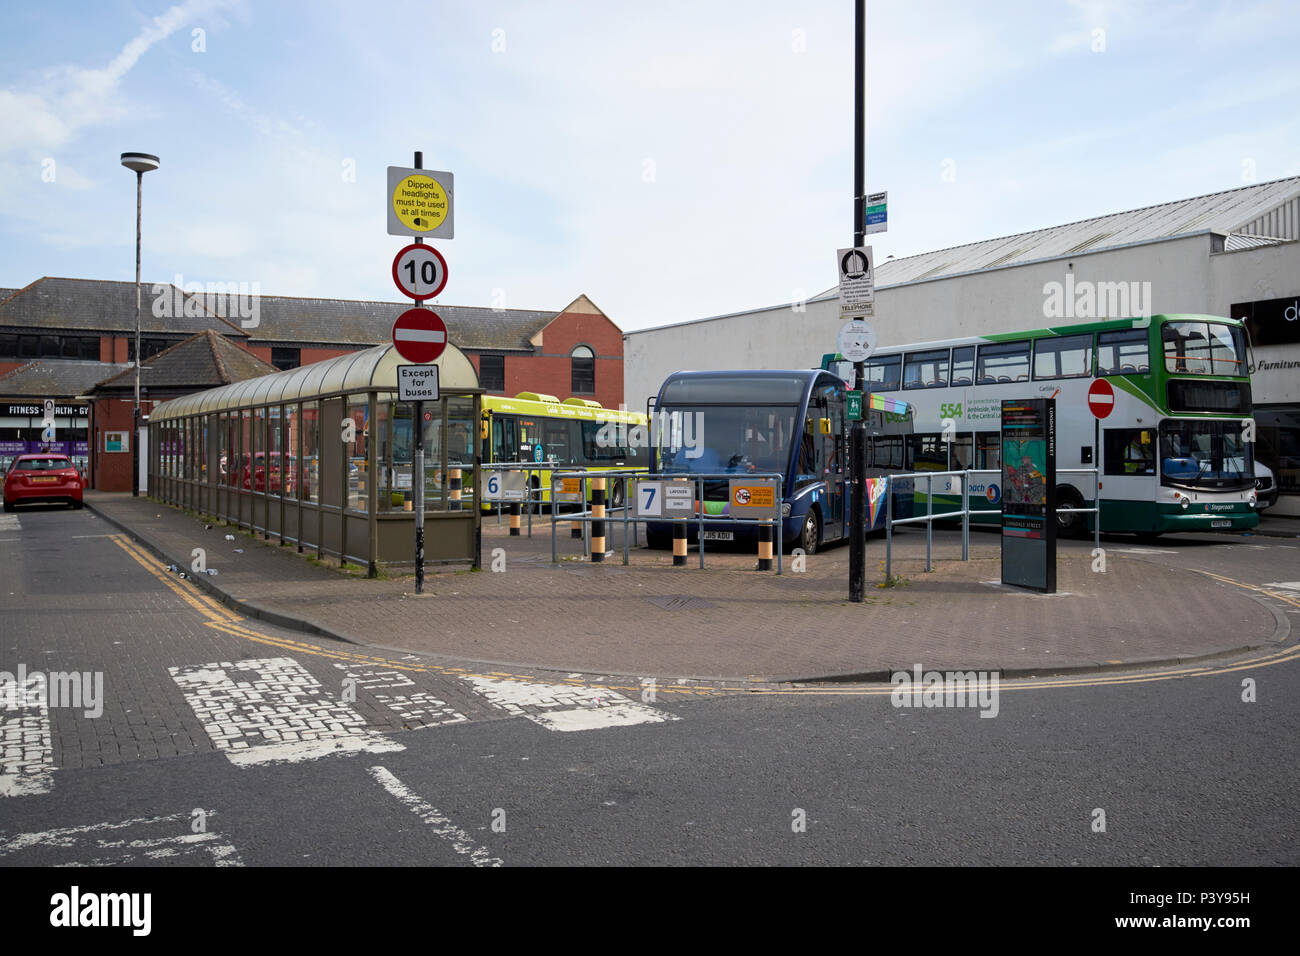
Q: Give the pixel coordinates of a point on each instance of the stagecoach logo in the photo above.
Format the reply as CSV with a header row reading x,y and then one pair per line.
x,y
992,492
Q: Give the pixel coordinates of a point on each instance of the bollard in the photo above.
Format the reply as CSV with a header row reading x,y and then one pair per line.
x,y
765,547
453,489
514,519
598,519
679,543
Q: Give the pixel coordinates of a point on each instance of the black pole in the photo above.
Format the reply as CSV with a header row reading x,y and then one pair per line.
x,y
858,433
135,415
417,466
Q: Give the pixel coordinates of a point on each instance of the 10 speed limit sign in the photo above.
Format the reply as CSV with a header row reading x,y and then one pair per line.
x,y
420,271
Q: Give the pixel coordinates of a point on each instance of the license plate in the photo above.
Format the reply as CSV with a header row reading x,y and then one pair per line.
x,y
1221,523
43,478
719,536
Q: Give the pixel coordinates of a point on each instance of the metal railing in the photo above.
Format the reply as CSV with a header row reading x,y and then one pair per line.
x,y
966,510
630,520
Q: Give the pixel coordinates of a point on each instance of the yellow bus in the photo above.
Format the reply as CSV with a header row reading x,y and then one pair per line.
x,y
563,435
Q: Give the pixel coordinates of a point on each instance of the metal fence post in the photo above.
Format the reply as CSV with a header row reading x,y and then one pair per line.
x,y
889,530
965,515
699,504
1096,503
929,518
780,544
626,508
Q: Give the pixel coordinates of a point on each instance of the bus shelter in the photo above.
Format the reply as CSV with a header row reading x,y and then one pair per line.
x,y
277,455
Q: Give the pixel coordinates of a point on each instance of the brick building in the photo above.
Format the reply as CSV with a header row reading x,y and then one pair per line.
x,y
66,336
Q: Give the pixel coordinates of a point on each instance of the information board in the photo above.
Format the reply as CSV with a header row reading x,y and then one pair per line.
x,y
1029,494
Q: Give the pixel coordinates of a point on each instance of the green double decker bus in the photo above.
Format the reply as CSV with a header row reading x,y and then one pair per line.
x,y
1174,441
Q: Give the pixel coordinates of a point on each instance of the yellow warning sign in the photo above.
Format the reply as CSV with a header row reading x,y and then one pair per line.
x,y
420,203
753,496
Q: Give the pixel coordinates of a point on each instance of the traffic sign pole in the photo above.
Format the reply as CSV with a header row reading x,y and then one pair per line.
x,y
858,433
417,479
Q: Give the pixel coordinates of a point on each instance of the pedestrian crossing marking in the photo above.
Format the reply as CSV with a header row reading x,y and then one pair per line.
x,y
273,710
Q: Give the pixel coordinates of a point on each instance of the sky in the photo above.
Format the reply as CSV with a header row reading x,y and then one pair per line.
x,y
672,161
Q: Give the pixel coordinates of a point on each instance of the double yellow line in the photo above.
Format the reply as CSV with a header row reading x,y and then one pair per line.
x,y
221,618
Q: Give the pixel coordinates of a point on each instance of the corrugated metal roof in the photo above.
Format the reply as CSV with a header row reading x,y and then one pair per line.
x,y
1270,209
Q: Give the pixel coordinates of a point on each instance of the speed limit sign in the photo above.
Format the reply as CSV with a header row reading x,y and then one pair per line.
x,y
420,271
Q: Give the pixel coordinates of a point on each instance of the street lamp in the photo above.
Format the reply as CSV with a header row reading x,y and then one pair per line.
x,y
141,163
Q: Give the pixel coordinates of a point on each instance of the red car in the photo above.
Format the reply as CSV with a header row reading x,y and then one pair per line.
x,y
33,478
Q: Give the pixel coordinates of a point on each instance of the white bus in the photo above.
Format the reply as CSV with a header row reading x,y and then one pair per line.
x,y
1176,451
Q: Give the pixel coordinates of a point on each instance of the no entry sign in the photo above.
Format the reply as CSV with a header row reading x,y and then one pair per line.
x,y
419,335
1101,398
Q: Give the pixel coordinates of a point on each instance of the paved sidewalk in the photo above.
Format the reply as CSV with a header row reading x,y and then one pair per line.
x,y
728,621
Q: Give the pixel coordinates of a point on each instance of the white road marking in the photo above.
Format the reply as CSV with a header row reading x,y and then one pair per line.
x,y
566,707
26,744
273,711
460,841
415,708
169,837
9,523
1288,585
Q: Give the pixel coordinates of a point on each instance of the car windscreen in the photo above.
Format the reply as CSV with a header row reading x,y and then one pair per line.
x,y
41,464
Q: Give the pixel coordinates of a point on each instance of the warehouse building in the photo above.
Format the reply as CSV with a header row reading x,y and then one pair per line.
x,y
1234,253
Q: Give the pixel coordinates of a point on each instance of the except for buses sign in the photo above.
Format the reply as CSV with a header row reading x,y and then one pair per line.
x,y
417,383
420,202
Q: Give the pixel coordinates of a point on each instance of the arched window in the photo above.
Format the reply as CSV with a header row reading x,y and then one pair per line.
x,y
584,370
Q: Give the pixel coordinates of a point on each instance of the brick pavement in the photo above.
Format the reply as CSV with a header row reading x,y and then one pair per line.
x,y
728,621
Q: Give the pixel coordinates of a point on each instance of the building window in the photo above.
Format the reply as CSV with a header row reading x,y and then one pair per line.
x,y
284,357
584,370
492,373
148,347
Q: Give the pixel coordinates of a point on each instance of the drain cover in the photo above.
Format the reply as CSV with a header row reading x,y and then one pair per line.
x,y
680,602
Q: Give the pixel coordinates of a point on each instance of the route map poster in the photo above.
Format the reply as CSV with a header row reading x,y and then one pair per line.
x,y
1029,494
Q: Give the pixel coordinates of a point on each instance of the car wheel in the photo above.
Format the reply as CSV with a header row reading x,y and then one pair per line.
x,y
811,535
1071,525
78,505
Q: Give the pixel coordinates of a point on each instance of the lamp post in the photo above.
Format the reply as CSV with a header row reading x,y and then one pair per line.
x,y
141,163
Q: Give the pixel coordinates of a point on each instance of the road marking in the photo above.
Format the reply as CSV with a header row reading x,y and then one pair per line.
x,y
460,841
273,711
416,708
566,707
9,523
171,845
26,744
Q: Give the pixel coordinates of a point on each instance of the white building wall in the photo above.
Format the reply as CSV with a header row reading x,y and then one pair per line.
x,y
998,300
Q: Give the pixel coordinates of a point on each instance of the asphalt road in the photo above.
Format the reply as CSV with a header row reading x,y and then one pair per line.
x,y
231,742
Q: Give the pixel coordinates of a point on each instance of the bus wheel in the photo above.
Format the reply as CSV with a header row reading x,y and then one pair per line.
x,y
1069,526
1148,537
616,495
811,535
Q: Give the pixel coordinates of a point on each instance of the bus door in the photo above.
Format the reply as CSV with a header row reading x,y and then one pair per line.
x,y
503,439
